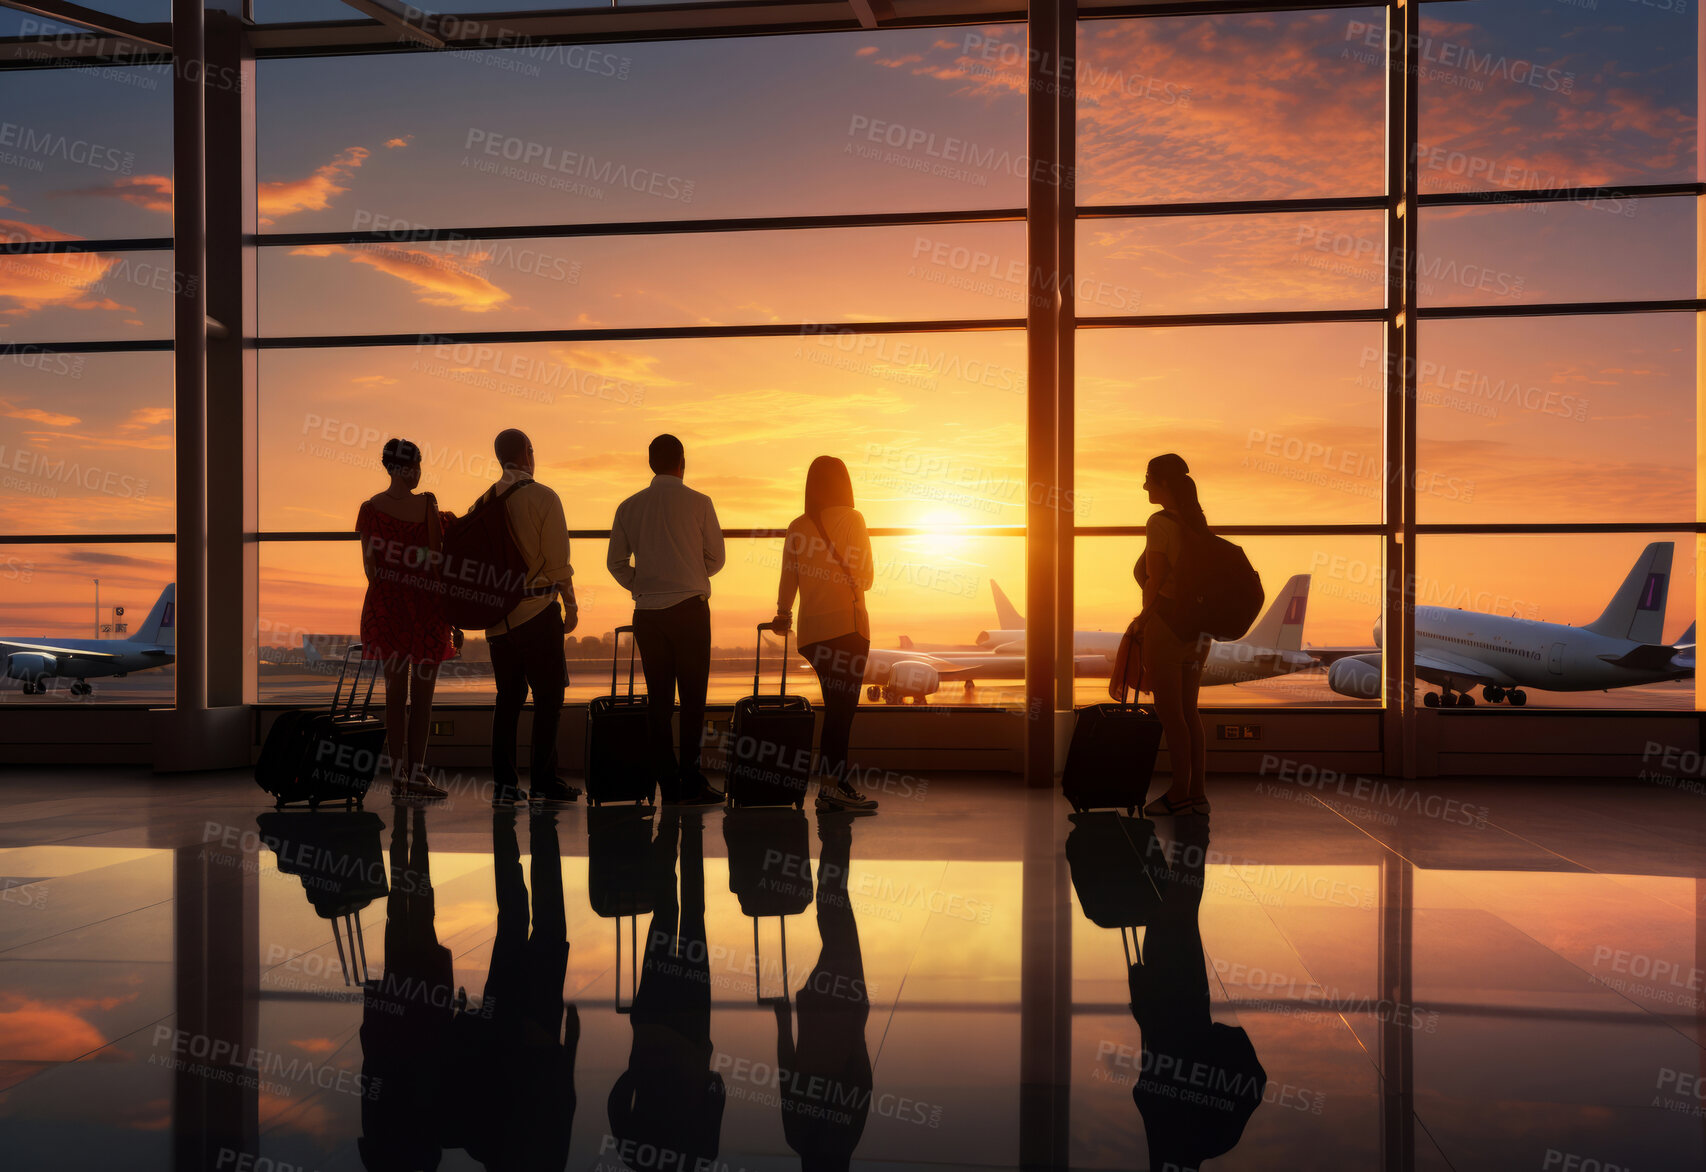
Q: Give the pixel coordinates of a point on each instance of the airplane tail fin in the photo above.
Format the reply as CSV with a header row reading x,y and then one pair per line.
x,y
1007,616
158,628
310,653
1282,626
1637,610
1687,639
906,642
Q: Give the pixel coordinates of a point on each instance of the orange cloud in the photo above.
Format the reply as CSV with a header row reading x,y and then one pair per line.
x,y
282,197
392,144
437,279
31,1029
36,415
36,281
150,192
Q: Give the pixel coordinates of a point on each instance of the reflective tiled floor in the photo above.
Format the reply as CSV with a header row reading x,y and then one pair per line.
x,y
1438,975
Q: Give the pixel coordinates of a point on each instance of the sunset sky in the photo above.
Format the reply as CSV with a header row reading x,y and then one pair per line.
x,y
1539,420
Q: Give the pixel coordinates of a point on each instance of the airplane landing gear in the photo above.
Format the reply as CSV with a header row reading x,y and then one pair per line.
x,y
874,692
1517,697
1446,698
81,688
34,688
1492,693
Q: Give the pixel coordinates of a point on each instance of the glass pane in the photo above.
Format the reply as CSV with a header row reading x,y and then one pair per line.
x,y
937,591
86,153
1208,264
457,139
1284,660
1279,424
86,443
931,425
1553,616
1557,419
1532,93
1608,250
1256,106
87,296
939,272
48,600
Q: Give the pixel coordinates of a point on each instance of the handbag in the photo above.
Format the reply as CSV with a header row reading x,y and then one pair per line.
x,y
435,544
1128,663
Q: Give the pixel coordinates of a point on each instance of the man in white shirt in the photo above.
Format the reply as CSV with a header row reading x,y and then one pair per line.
x,y
665,544
527,647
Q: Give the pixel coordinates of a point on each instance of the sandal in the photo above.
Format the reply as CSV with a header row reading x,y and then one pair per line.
x,y
1165,806
1200,805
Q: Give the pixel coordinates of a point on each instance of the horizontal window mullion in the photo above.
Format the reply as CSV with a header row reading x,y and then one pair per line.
x,y
1241,207
640,333
1561,309
122,244
1002,531
144,345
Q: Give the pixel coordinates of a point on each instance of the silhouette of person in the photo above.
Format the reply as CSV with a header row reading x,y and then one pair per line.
x,y
404,623
518,1048
666,1109
1199,1080
665,544
827,560
1173,656
405,1019
826,1075
527,647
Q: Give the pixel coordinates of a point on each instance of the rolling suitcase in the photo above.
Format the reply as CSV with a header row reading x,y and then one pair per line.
x,y
770,874
618,749
327,756
342,868
1111,757
1111,858
771,758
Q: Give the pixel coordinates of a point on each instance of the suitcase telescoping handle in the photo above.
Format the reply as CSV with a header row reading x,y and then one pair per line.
x,y
758,659
616,640
349,701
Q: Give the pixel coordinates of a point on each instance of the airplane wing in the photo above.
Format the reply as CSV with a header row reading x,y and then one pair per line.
x,y
1436,668
9,646
1328,655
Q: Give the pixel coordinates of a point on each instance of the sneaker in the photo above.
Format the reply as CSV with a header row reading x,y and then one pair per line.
x,y
418,786
508,795
842,796
555,791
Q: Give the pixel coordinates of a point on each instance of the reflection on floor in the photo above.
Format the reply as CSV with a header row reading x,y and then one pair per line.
x,y
1344,975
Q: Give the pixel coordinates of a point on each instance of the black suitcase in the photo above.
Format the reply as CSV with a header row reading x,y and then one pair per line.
x,y
619,881
327,756
342,867
618,748
770,762
1112,757
1111,858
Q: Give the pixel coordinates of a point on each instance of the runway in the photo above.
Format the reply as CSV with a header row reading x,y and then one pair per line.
x,y
472,684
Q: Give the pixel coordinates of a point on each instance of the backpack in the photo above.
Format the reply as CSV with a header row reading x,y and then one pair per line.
x,y
485,576
1218,591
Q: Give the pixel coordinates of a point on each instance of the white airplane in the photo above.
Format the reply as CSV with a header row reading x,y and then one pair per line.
x,y
35,661
1272,648
1457,649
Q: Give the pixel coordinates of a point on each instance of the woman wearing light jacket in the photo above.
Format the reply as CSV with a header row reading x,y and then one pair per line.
x,y
826,560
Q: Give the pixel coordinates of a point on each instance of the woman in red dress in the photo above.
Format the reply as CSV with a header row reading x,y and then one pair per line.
x,y
403,623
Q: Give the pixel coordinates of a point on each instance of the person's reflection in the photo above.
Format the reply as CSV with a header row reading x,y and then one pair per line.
x,y
666,1109
826,1076
405,1020
1199,1081
517,1051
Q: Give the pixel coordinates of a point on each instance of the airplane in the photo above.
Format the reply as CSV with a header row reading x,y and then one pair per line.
x,y
1457,649
34,661
1272,648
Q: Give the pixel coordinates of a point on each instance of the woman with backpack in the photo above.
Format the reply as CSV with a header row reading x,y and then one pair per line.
x,y
826,559
1173,656
403,620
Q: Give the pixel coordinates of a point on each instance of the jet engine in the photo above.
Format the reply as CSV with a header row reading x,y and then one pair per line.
x,y
912,678
30,667
1355,677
